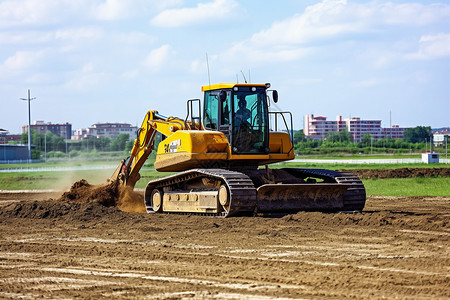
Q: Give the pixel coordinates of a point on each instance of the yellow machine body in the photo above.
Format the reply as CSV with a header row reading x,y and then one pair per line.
x,y
187,149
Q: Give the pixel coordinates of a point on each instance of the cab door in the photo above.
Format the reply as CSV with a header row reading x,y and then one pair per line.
x,y
217,113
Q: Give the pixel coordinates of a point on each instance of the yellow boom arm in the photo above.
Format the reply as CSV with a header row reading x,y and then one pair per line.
x,y
128,170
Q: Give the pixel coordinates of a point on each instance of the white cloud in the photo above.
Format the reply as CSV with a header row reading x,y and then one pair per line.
x,y
202,13
333,18
85,78
158,57
254,54
130,74
26,12
22,60
432,46
413,14
32,12
329,24
113,10
367,83
133,38
24,38
79,33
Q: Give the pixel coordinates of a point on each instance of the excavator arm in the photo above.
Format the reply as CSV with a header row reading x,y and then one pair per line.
x,y
128,170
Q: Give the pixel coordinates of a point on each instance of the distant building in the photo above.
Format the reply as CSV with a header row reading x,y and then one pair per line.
x,y
358,128
317,128
110,130
11,153
395,132
62,130
440,137
3,135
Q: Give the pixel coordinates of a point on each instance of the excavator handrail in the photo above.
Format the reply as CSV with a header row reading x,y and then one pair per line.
x,y
190,112
288,129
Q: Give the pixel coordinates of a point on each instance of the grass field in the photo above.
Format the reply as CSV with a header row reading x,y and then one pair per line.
x,y
63,180
59,179
362,156
408,186
347,166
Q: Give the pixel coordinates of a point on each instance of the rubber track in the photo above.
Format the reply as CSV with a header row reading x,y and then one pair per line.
x,y
354,197
241,188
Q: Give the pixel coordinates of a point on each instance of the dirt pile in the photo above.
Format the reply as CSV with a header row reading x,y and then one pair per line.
x,y
82,192
400,173
110,194
61,210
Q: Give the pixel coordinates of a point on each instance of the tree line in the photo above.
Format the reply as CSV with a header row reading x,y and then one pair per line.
x,y
50,145
415,139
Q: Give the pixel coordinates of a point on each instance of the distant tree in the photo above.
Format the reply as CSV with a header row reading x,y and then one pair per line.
x,y
102,143
129,145
118,144
339,136
417,134
366,140
42,142
299,136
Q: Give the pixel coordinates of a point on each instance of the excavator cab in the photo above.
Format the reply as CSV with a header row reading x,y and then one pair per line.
x,y
240,112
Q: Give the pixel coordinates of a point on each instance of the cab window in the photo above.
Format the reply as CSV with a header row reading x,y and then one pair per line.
x,y
211,114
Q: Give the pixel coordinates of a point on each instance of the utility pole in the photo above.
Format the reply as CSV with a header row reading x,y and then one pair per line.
x,y
446,140
29,123
45,149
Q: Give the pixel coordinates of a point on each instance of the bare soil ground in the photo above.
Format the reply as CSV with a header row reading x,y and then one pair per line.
x,y
398,247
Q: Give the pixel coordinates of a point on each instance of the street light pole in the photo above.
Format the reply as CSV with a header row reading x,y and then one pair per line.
x,y
29,123
45,147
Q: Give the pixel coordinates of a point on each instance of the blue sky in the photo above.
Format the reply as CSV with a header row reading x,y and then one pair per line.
x,y
91,61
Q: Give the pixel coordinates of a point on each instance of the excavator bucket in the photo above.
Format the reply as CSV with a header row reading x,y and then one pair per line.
x,y
285,198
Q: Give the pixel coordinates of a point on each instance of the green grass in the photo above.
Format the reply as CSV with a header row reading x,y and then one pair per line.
x,y
361,156
408,186
336,166
50,180
72,163
63,180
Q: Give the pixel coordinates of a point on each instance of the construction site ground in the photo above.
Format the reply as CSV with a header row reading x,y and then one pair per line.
x,y
398,247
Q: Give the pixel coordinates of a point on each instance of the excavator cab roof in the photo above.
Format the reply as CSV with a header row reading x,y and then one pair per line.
x,y
220,86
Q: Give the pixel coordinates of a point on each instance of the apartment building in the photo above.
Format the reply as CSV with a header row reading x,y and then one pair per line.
x,y
62,130
358,128
110,130
318,127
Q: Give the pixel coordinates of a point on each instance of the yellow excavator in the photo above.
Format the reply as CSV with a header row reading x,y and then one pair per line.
x,y
222,155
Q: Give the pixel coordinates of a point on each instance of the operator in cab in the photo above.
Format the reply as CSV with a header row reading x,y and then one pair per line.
x,y
243,114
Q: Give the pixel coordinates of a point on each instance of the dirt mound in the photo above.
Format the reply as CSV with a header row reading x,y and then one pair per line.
x,y
82,192
62,210
110,194
401,173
